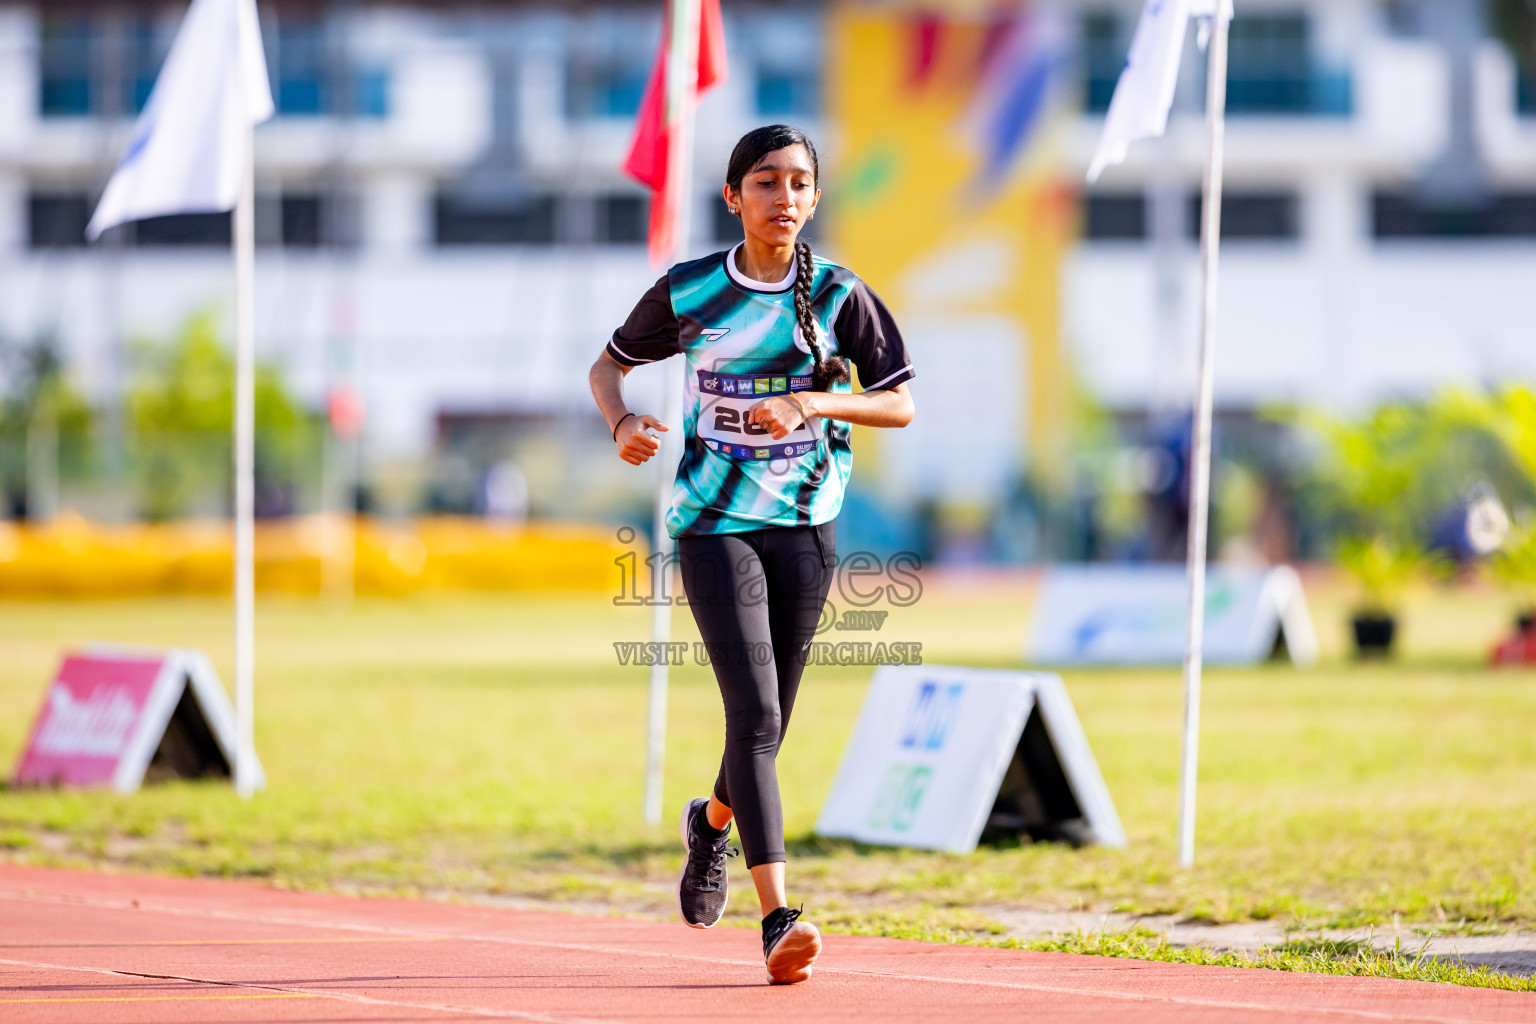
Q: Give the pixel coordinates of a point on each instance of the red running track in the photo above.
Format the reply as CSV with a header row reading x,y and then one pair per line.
x,y
113,949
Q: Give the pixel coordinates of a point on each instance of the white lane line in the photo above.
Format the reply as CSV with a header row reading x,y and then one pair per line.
x,y
296,992
1136,997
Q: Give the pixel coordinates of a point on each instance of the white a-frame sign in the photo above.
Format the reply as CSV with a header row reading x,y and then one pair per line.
x,y
119,716
941,754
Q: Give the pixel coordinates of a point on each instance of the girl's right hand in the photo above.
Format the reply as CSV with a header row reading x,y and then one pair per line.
x,y
635,445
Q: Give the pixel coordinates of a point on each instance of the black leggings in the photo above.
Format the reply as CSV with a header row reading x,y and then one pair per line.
x,y
757,597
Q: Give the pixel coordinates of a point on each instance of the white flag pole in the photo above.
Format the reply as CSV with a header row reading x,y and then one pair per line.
x,y
193,151
245,467
1200,456
682,82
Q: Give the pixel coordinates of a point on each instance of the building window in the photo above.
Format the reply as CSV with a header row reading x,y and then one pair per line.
x,y
623,220
300,70
57,221
306,220
86,70
603,87
529,221
65,66
1251,216
370,92
788,92
1272,71
1270,66
183,229
1115,217
608,63
302,61
145,51
303,221
1106,41
1396,215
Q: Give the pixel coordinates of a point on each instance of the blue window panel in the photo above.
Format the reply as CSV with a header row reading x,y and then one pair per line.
x,y
619,92
300,79
145,52
66,97
370,93
300,96
66,88
1316,93
1273,70
139,93
601,87
787,93
1106,40
1398,215
1333,93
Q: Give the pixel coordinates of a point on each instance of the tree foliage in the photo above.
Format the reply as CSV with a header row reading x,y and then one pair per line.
x,y
1386,476
39,395
181,414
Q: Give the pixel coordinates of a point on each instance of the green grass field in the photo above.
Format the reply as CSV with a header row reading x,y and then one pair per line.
x,y
493,745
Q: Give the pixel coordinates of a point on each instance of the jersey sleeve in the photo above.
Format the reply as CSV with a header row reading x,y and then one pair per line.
x,y
651,332
867,333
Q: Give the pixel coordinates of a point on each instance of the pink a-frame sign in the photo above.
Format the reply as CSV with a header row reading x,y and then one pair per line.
x,y
107,712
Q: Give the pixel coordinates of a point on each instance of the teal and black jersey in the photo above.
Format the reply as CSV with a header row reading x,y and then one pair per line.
x,y
743,344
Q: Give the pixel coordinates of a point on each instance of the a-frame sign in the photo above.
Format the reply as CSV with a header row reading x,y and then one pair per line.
x,y
940,755
118,716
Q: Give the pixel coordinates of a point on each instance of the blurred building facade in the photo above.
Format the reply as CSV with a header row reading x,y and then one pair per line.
x,y
445,230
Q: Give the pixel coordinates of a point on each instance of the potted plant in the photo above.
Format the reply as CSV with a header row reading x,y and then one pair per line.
x,y
1383,570
1365,484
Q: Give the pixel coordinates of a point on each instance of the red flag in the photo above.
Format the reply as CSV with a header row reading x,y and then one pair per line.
x,y
649,158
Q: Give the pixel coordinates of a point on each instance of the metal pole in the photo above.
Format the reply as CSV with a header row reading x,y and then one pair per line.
x,y
661,611
1200,457
682,83
245,466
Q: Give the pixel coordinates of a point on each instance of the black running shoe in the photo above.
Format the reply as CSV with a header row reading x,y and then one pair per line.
x,y
790,946
701,889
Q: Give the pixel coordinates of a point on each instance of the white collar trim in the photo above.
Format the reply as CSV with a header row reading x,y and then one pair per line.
x,y
757,286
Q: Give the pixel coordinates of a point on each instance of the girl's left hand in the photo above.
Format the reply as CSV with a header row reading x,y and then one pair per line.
x,y
778,415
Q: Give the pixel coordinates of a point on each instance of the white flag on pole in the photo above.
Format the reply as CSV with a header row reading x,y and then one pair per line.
x,y
189,146
1144,93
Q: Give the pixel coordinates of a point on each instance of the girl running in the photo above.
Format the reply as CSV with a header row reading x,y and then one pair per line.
x,y
767,330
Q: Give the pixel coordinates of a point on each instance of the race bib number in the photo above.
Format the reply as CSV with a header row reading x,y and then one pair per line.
x,y
724,401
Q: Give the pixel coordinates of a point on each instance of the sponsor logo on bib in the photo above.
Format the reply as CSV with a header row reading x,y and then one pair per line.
x,y
725,416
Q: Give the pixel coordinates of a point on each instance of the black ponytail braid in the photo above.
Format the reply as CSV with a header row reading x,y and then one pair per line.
x,y
829,369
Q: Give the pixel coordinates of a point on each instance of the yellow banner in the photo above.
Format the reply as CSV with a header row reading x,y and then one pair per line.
x,y
946,198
